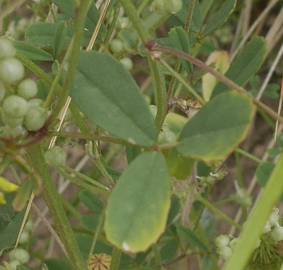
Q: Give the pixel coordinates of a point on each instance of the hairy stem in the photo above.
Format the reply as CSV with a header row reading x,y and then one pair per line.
x,y
55,204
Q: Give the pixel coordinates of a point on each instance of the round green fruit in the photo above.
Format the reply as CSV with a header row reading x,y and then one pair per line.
x,y
35,102
127,63
6,48
20,255
27,89
56,156
35,118
13,265
116,46
11,70
8,132
15,106
11,121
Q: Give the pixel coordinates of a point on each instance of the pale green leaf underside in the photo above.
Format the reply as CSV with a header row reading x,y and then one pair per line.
x,y
218,128
107,94
138,206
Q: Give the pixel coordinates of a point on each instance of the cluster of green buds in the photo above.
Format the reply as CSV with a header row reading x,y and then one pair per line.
x,y
225,244
273,226
272,235
19,256
21,110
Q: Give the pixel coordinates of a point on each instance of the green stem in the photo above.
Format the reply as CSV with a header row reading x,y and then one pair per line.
x,y
55,84
98,231
116,258
160,91
135,19
55,204
182,81
74,55
84,181
254,226
217,212
248,155
142,6
190,15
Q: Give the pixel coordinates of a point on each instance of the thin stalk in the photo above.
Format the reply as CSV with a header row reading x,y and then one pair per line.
x,y
135,19
182,81
116,259
71,173
142,6
54,86
160,91
98,231
56,207
74,55
217,212
248,155
190,15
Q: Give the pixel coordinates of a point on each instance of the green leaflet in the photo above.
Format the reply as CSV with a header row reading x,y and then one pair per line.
x,y
138,206
246,64
107,94
220,16
31,52
214,132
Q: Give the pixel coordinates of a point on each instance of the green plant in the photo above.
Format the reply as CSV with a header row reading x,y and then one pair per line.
x,y
168,140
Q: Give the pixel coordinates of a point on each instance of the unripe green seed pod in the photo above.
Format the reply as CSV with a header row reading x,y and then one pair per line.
x,y
12,132
15,106
11,121
11,70
6,48
116,46
222,241
127,63
56,156
123,22
27,89
35,118
29,226
225,253
2,91
277,233
35,102
13,265
20,255
24,237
